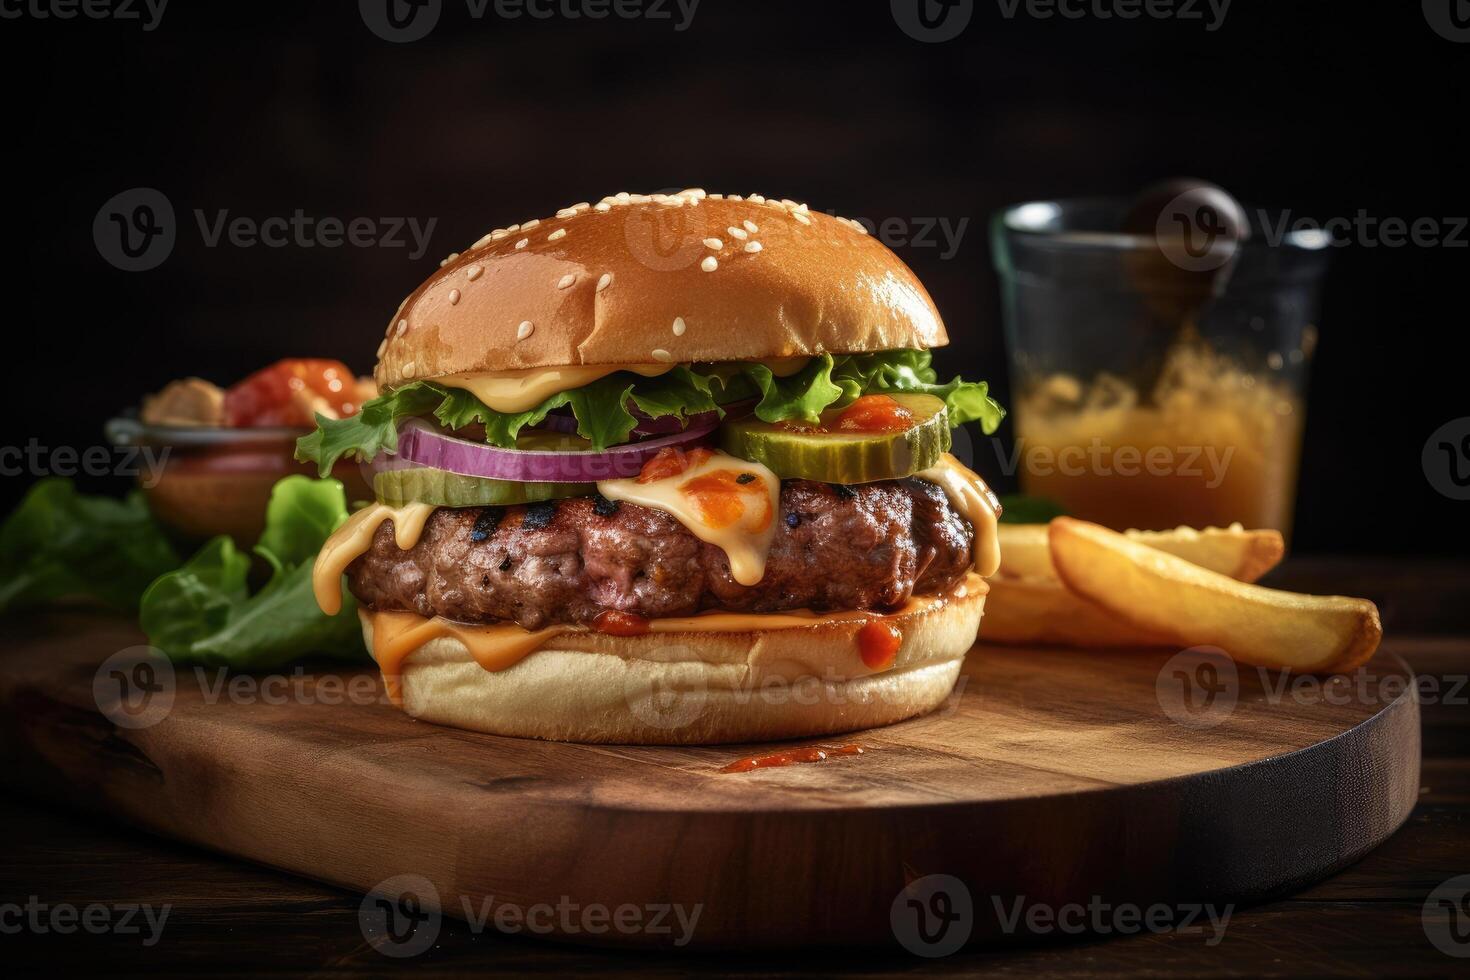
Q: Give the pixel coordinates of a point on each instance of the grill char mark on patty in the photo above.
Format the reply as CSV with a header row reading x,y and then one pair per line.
x,y
865,547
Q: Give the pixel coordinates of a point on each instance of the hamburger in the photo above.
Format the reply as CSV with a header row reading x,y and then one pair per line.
x,y
666,468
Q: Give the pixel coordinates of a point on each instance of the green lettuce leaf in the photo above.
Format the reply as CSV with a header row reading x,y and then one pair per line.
x,y
605,419
203,613
61,543
911,370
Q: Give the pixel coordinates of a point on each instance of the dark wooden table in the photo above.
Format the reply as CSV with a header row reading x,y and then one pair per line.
x,y
229,917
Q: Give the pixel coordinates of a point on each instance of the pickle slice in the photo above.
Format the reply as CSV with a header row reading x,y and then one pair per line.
x,y
844,457
425,485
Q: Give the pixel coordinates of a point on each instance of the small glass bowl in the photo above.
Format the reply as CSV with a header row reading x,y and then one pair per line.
x,y
201,481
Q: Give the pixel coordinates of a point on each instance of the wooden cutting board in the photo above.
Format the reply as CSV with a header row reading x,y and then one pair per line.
x,y
1054,775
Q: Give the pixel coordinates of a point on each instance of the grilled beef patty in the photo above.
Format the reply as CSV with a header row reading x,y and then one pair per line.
x,y
869,546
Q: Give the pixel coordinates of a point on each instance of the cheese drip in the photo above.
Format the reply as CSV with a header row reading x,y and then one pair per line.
x,y
739,518
972,498
353,539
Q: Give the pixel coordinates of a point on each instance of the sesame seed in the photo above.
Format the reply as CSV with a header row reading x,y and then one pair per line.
x,y
710,263
484,240
622,196
750,226
565,281
512,229
581,206
604,282
402,327
474,272
679,327
452,256
859,227
525,329
756,199
603,206
714,243
409,369
799,216
566,213
382,346
737,233
528,225
752,246
717,197
559,233
453,296
661,355
523,243
735,197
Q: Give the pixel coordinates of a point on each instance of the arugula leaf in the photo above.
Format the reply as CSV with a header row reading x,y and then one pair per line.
x,y
203,612
60,543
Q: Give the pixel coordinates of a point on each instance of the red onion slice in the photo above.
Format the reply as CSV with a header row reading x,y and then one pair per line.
x,y
421,444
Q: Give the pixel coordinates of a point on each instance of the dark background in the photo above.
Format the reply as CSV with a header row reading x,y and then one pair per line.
x,y
1324,108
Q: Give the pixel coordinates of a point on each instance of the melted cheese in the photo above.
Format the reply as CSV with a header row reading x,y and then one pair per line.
x,y
972,498
523,389
353,539
745,540
499,646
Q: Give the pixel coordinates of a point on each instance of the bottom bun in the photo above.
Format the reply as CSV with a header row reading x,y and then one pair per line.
x,y
697,687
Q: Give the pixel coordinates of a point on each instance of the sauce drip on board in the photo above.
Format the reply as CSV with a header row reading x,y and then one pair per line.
x,y
792,757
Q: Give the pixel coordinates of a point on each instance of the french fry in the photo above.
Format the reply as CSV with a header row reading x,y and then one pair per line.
x,y
1245,555
1193,606
1042,612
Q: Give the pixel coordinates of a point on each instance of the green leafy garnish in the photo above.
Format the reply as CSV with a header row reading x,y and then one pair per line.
x,y
204,613
59,543
1022,508
605,418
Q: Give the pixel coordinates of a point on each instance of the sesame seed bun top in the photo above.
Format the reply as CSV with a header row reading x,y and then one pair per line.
x,y
640,279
